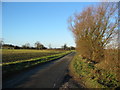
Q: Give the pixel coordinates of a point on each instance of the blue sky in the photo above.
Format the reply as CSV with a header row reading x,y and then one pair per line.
x,y
28,22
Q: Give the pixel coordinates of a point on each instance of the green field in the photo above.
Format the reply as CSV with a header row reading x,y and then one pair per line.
x,y
23,54
16,60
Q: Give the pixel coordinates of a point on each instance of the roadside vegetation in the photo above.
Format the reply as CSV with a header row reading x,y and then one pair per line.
x,y
96,64
89,75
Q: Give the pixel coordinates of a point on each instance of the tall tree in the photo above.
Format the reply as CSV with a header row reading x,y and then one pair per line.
x,y
94,28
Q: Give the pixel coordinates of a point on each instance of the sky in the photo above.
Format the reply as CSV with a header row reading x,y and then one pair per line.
x,y
46,22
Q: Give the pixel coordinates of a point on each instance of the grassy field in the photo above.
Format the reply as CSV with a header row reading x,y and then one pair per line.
x,y
101,75
17,60
23,54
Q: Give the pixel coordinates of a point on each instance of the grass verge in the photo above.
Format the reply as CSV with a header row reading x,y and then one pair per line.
x,y
85,72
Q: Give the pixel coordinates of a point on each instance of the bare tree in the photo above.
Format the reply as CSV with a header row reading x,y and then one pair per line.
x,y
94,28
38,45
26,46
50,46
65,47
1,42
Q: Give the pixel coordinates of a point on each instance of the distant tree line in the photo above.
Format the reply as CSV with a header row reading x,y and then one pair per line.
x,y
37,45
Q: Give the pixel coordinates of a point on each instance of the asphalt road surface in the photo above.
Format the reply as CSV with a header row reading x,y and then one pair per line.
x,y
49,75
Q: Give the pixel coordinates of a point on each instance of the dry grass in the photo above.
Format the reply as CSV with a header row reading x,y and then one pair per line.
x,y
111,62
94,75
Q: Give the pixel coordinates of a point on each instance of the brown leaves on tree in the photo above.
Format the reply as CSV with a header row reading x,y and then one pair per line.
x,y
93,29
